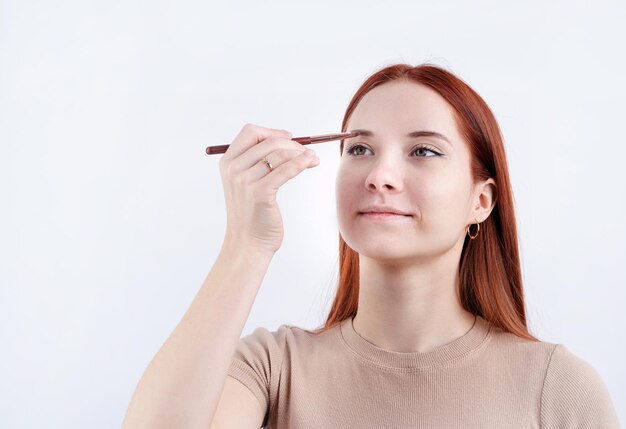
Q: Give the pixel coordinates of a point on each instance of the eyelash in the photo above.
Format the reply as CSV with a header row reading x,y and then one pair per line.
x,y
350,150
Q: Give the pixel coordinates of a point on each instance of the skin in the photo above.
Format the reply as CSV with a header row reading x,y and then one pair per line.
x,y
409,269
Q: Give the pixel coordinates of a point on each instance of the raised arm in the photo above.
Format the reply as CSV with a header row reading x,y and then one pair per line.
x,y
183,384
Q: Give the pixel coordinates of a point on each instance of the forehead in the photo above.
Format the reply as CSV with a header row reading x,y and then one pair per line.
x,y
402,106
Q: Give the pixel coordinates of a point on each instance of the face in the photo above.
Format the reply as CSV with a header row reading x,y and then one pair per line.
x,y
424,176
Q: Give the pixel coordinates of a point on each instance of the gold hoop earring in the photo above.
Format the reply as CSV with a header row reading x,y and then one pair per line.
x,y
468,230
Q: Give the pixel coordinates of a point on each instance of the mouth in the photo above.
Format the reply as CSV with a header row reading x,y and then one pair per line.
x,y
383,215
384,209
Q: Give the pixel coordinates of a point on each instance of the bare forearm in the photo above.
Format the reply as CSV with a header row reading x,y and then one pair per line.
x,y
183,383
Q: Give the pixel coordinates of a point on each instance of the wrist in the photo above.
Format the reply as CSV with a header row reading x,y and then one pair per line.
x,y
233,248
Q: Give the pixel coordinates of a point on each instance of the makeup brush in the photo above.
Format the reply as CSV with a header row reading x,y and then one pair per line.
x,y
212,150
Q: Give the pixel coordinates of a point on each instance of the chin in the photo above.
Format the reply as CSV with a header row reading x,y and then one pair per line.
x,y
383,248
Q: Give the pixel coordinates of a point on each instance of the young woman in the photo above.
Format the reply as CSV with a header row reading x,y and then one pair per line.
x,y
428,327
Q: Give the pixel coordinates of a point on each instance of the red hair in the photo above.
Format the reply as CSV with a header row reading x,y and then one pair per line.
x,y
490,274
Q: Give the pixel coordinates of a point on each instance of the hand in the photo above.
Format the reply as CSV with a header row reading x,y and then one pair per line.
x,y
253,215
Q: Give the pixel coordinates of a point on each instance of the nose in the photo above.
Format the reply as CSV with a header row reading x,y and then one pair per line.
x,y
384,176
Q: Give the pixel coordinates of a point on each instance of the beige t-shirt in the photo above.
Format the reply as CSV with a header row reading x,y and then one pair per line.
x,y
485,379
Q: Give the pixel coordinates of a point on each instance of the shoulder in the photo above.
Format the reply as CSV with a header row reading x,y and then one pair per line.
x,y
258,360
278,337
568,374
574,394
263,341
525,353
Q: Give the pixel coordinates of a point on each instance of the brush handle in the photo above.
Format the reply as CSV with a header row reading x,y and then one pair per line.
x,y
212,150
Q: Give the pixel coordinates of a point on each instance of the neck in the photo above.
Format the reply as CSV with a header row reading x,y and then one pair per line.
x,y
413,308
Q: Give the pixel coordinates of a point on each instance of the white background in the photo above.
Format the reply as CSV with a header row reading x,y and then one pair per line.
x,y
111,213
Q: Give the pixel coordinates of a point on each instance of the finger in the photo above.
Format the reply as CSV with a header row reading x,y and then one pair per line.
x,y
266,149
276,158
286,171
251,135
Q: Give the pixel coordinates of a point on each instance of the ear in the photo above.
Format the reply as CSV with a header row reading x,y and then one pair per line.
x,y
485,197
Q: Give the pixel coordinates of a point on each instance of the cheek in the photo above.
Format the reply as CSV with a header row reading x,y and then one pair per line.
x,y
349,196
444,201
345,192
346,180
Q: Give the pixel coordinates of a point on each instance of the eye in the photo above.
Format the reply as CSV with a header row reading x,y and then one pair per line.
x,y
427,149
351,150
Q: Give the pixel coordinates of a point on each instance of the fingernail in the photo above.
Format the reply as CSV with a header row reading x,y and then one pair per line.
x,y
309,153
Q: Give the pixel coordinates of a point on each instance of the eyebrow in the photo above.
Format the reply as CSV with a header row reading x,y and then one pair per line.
x,y
369,133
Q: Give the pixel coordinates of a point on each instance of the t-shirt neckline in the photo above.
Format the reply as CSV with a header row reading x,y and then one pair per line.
x,y
441,356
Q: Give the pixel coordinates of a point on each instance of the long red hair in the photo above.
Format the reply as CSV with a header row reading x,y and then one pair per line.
x,y
490,274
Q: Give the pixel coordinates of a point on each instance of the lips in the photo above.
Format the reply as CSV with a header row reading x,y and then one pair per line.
x,y
384,210
384,214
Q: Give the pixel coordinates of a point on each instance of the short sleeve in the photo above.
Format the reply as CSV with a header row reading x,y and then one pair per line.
x,y
574,394
257,362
